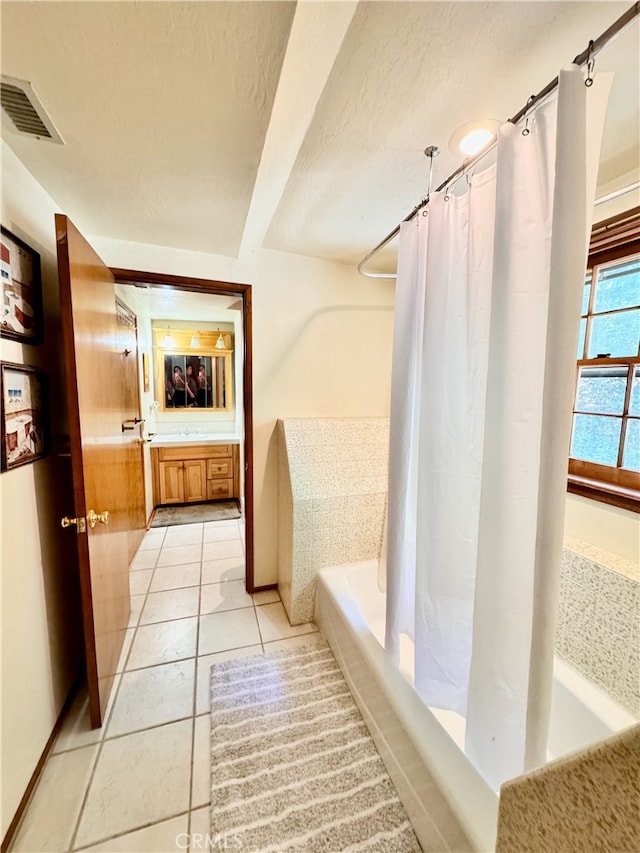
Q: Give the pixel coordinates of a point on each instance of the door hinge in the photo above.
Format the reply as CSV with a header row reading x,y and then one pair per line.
x,y
80,523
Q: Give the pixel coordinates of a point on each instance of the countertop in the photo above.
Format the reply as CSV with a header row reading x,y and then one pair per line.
x,y
193,439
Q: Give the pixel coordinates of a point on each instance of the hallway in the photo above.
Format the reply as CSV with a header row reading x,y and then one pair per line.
x,y
141,783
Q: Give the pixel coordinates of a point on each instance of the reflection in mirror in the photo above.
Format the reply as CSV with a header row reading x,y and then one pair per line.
x,y
194,382
193,377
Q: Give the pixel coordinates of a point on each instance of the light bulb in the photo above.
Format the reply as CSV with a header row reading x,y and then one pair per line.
x,y
475,141
473,136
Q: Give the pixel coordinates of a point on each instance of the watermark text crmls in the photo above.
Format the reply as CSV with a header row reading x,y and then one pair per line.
x,y
198,841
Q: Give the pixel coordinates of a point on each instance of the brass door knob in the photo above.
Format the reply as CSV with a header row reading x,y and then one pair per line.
x,y
94,517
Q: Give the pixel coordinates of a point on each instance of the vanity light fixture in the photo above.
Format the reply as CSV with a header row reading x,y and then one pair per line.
x,y
195,342
220,342
169,342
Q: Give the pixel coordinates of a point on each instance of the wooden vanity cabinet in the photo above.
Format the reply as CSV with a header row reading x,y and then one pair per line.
x,y
201,473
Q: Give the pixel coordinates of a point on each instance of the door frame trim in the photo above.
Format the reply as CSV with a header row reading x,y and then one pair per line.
x,y
243,292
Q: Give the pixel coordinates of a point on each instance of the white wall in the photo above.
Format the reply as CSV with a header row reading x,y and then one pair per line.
x,y
41,632
607,527
321,348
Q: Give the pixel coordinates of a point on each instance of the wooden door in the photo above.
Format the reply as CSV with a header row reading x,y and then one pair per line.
x,y
99,453
127,350
171,476
195,480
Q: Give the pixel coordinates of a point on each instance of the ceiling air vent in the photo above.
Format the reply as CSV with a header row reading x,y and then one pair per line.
x,y
28,117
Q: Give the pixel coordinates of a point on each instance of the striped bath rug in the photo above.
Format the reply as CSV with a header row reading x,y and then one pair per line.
x,y
293,765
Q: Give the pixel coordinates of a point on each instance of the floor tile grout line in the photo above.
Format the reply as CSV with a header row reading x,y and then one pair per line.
x,y
193,746
98,745
162,662
102,739
175,565
137,625
127,734
195,693
85,797
129,831
172,618
109,714
255,613
161,725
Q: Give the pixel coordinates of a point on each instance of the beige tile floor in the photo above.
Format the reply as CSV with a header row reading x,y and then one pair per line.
x,y
141,783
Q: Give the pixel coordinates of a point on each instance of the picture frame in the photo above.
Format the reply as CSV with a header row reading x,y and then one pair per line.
x,y
24,415
22,315
145,371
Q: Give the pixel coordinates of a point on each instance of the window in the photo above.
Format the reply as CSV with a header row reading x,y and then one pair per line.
x,y
604,461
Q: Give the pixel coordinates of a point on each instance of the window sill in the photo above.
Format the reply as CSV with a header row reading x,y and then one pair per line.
x,y
607,493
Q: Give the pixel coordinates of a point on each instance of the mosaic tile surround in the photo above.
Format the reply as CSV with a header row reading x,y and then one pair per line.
x,y
332,495
599,626
585,802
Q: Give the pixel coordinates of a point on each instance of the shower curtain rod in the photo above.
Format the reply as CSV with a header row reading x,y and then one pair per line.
x,y
586,56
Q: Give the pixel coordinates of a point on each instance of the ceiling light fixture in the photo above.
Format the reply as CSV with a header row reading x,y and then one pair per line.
x,y
472,137
475,141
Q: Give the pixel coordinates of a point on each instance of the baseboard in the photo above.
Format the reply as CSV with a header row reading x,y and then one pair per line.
x,y
35,776
265,587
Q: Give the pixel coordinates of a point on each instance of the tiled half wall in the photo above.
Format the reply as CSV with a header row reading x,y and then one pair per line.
x,y
331,500
332,496
599,622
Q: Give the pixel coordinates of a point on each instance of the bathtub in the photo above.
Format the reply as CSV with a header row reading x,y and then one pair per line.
x,y
449,804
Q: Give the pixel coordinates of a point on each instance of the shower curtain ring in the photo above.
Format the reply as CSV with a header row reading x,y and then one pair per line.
x,y
530,101
590,65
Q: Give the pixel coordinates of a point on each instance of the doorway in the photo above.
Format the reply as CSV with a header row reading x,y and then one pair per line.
x,y
240,297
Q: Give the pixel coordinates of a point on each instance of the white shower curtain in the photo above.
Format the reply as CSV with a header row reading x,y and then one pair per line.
x,y
487,304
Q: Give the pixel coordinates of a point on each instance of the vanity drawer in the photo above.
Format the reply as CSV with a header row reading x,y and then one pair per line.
x,y
169,454
219,489
201,451
219,468
219,449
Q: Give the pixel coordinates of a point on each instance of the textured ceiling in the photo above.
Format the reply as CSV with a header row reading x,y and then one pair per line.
x,y
227,126
407,76
163,107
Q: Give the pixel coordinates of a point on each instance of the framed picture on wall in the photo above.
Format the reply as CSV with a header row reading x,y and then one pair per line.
x,y
22,318
23,415
145,371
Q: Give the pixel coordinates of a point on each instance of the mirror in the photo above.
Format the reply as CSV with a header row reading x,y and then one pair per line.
x,y
189,377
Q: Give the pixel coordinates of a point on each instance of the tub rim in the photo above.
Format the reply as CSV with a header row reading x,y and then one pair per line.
x,y
461,784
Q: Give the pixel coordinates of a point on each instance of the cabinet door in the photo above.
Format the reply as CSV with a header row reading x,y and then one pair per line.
x,y
195,480
171,482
